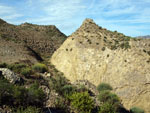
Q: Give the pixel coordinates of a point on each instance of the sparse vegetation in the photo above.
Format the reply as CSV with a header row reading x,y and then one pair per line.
x,y
106,108
136,110
58,82
31,99
107,96
26,71
82,102
110,101
6,92
103,86
60,103
14,95
3,65
31,96
40,67
16,67
29,109
68,90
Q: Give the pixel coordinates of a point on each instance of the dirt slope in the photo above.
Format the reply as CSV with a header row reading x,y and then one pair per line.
x,y
27,38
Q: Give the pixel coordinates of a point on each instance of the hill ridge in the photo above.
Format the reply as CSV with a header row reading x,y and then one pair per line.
x,y
43,40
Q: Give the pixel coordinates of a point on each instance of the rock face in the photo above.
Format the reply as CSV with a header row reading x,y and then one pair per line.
x,y
9,75
98,55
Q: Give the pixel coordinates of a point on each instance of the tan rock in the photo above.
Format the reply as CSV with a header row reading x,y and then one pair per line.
x,y
89,54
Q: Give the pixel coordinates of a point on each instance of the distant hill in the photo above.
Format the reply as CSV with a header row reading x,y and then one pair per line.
x,y
98,55
147,36
28,41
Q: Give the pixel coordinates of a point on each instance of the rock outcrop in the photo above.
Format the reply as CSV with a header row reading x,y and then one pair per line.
x,y
98,55
9,75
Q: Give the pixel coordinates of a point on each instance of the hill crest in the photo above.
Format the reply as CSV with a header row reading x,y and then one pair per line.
x,y
42,40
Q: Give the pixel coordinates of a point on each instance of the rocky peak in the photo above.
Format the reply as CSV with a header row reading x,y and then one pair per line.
x,y
98,55
93,36
88,26
88,21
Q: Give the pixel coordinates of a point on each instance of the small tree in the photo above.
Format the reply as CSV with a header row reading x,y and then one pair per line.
x,y
82,102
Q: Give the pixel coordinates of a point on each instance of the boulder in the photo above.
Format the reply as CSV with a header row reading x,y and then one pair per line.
x,y
9,75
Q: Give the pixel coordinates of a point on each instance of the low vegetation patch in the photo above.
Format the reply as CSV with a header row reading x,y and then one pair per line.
x,y
29,109
106,108
14,95
136,110
82,102
40,68
26,71
77,98
104,86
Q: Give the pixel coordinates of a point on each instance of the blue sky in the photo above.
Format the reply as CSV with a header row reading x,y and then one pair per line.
x,y
131,17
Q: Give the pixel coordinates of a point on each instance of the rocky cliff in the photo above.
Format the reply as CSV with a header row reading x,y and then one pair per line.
x,y
98,55
28,41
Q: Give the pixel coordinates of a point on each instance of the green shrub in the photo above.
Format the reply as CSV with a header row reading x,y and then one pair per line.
x,y
82,102
104,86
107,96
29,109
68,90
26,71
113,100
57,83
36,95
127,38
6,92
20,95
14,95
125,45
40,68
136,110
106,108
60,103
3,65
16,67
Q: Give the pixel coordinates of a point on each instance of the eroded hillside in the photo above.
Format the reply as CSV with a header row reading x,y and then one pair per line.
x,y
26,38
98,55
